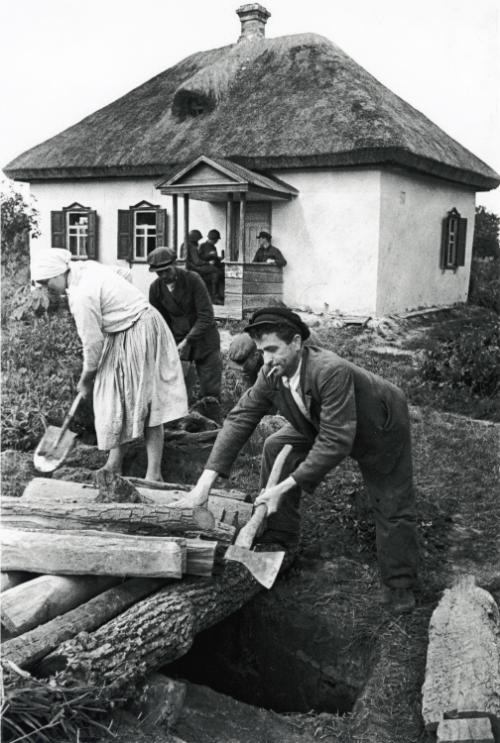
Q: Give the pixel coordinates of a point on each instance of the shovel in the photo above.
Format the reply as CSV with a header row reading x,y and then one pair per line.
x,y
264,566
56,443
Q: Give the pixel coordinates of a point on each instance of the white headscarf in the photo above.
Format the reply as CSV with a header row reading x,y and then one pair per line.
x,y
49,262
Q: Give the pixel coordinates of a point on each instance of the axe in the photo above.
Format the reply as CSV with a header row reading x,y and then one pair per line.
x,y
264,566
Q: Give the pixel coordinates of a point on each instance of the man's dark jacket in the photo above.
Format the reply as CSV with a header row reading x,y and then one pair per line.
x,y
188,312
353,413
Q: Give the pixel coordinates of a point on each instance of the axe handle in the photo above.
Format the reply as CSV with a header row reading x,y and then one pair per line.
x,y
247,534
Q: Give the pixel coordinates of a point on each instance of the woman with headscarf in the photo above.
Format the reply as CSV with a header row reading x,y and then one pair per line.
x,y
130,359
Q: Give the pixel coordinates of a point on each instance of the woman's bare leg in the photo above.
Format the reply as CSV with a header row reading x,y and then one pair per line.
x,y
154,450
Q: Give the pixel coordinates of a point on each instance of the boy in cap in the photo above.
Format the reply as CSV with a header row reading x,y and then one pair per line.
x,y
182,299
267,253
130,363
334,409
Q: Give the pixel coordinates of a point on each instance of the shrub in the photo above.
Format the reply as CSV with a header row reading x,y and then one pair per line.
x,y
469,360
484,288
41,365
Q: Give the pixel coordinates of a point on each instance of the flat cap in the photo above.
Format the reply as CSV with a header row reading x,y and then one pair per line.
x,y
265,234
278,316
161,257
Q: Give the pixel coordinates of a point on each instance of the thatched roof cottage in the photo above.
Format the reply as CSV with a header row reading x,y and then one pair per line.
x,y
371,203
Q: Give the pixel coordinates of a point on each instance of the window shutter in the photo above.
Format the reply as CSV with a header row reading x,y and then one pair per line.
x,y
161,227
462,235
125,227
92,236
58,229
444,243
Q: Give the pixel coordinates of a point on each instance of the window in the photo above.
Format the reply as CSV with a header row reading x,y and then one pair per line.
x,y
78,225
141,229
75,228
453,241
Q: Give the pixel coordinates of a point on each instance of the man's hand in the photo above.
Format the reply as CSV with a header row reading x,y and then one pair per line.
x,y
199,494
272,496
86,384
182,345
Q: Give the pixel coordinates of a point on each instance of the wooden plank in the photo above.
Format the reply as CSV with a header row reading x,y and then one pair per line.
x,y
462,676
257,271
250,279
472,730
254,301
262,287
91,553
38,600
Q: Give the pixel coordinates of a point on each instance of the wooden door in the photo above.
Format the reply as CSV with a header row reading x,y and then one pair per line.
x,y
257,218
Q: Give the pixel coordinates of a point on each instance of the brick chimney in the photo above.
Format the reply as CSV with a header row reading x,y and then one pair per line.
x,y
253,19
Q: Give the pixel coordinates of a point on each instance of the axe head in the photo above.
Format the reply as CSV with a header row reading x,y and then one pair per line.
x,y
264,566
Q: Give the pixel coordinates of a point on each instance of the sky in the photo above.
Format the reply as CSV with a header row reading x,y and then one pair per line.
x,y
61,60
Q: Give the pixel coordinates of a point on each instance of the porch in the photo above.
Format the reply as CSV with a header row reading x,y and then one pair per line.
x,y
248,199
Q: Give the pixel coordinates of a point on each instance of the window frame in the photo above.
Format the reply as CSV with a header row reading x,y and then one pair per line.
x,y
453,243
63,233
128,233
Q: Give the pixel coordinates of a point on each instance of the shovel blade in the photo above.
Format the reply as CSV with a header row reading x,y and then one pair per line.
x,y
264,566
50,453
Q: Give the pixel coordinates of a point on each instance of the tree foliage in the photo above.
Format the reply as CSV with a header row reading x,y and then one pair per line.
x,y
486,242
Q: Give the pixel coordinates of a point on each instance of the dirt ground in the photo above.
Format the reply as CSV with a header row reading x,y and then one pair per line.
x,y
320,635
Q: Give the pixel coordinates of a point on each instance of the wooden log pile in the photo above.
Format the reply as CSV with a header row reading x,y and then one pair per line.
x,y
461,691
104,604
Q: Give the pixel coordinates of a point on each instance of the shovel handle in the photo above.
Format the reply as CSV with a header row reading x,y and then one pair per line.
x,y
69,416
251,529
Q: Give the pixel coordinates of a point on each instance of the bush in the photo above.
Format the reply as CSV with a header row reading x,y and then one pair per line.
x,y
469,360
484,288
41,364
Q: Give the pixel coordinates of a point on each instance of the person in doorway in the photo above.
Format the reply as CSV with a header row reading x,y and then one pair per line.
x,y
130,362
267,253
334,409
182,299
215,277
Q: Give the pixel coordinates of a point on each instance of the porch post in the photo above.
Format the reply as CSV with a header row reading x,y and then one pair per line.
x,y
243,202
229,230
186,224
175,217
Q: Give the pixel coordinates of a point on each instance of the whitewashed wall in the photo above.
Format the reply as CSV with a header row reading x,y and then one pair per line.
x,y
107,196
412,210
329,236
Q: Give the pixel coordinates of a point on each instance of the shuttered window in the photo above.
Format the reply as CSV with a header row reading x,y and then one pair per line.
x,y
453,239
75,228
141,229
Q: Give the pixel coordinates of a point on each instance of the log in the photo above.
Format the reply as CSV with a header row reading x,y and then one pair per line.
x,y
142,484
38,600
30,647
9,580
462,676
475,730
92,553
152,632
62,502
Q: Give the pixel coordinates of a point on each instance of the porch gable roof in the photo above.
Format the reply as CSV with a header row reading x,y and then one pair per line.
x,y
210,179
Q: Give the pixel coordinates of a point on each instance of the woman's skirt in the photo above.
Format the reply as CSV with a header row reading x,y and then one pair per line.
x,y
139,382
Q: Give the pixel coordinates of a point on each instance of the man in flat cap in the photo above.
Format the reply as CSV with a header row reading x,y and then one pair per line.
x,y
182,299
334,409
267,253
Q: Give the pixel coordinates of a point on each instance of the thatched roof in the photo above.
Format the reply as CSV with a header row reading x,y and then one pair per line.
x,y
293,101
